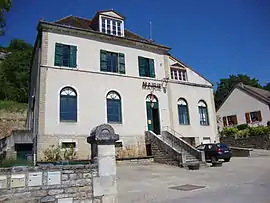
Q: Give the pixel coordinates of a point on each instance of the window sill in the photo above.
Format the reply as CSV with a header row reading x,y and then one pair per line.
x,y
147,77
204,125
69,121
66,67
115,123
184,124
113,73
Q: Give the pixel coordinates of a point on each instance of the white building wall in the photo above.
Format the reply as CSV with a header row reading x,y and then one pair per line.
x,y
239,103
193,95
92,86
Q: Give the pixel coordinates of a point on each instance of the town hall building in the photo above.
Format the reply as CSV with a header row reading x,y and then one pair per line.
x,y
86,72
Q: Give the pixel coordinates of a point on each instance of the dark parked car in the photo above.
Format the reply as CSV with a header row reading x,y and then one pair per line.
x,y
216,151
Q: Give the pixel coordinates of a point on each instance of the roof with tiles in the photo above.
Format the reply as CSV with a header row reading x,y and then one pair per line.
x,y
83,23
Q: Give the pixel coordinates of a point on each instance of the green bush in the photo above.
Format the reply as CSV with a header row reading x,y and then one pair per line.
x,y
56,153
242,126
260,130
229,132
15,162
243,133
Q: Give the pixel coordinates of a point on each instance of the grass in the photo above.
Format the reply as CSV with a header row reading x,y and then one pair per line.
x,y
12,106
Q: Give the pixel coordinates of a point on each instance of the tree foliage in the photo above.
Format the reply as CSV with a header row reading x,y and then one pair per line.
x,y
267,86
5,6
226,85
14,71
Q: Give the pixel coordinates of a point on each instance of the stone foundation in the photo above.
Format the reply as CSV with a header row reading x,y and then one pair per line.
x,y
133,146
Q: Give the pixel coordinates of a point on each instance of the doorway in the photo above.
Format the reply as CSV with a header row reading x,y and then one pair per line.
x,y
152,108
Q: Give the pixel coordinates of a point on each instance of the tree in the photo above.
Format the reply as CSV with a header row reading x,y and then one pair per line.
x,y
267,86
14,71
5,6
226,85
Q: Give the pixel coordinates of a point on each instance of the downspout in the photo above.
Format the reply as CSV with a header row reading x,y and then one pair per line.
x,y
169,91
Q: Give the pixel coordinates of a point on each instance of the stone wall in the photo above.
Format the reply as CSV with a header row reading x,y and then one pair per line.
x,y
10,121
163,153
48,184
256,142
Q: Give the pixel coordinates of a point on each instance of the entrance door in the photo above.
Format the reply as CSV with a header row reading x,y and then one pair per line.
x,y
152,108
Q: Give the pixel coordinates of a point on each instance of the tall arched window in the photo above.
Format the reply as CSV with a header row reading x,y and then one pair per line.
x,y
68,104
183,112
203,112
114,113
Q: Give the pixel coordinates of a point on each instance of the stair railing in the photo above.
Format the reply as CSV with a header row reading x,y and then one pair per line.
x,y
177,140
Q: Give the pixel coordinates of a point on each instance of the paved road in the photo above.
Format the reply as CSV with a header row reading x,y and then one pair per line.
x,y
243,180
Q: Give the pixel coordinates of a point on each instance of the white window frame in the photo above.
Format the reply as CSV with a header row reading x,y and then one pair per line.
x,y
68,140
106,18
177,74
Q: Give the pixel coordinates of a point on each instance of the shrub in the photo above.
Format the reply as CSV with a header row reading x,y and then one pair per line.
x,y
56,153
243,133
15,162
229,132
257,131
242,126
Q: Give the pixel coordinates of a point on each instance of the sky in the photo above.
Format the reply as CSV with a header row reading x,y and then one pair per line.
x,y
216,38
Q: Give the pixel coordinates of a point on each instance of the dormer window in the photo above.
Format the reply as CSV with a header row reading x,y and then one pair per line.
x,y
111,26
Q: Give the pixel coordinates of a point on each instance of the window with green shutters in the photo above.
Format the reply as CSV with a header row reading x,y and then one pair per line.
x,y
65,55
112,62
146,67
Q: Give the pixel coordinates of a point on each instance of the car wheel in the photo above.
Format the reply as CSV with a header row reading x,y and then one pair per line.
x,y
214,159
227,159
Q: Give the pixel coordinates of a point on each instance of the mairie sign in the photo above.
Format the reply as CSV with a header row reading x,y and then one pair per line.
x,y
151,85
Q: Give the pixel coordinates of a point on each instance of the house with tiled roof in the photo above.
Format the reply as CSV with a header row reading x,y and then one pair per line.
x,y
245,105
86,72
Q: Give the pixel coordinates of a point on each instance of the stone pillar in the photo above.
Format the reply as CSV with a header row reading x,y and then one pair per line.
x,y
102,140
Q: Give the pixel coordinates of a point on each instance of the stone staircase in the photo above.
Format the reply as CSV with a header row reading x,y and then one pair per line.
x,y
170,148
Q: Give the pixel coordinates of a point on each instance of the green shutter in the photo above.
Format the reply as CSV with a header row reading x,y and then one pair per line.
x,y
58,54
152,68
103,60
141,66
73,57
121,59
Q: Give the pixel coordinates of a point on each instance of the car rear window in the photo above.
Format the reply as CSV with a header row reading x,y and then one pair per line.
x,y
223,146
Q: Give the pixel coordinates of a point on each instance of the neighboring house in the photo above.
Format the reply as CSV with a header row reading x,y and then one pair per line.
x,y
245,105
88,72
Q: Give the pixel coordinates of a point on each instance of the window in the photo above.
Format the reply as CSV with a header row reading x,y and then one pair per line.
x,y
183,112
230,120
68,104
65,55
114,113
255,116
112,62
118,144
178,74
66,145
111,26
203,112
146,67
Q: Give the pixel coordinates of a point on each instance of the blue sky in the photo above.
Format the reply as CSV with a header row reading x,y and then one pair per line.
x,y
216,38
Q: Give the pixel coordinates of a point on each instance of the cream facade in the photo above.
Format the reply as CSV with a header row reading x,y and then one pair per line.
x,y
93,85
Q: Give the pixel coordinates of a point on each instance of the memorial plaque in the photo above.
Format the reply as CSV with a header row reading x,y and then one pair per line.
x,y
35,179
54,178
17,180
3,182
